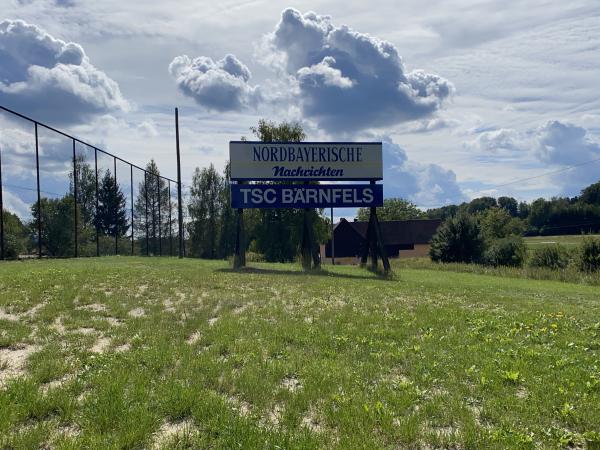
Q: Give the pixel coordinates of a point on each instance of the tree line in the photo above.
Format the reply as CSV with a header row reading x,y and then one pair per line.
x,y
210,225
271,234
556,216
103,217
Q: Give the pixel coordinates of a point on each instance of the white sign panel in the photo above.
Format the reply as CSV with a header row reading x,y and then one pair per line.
x,y
305,160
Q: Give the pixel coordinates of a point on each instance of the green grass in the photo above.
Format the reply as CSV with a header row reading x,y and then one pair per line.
x,y
166,353
570,241
570,274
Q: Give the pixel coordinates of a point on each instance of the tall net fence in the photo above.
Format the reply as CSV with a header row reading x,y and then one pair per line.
x,y
62,197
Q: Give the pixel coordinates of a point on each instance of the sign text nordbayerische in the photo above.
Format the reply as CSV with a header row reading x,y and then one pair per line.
x,y
305,160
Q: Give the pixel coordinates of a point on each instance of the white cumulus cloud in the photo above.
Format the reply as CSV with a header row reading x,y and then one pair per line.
x,y
427,185
554,144
52,79
221,85
350,80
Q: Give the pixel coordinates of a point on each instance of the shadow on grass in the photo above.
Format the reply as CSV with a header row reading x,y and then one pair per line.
x,y
318,273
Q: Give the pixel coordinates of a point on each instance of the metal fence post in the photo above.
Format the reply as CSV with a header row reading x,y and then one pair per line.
x,y
146,221
153,211
115,212
131,186
39,198
96,213
159,219
179,204
75,198
170,220
1,212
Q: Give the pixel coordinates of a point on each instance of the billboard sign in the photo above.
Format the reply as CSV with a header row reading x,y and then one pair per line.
x,y
306,195
305,160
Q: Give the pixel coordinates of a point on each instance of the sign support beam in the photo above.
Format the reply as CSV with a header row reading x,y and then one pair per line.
x,y
332,240
239,256
374,245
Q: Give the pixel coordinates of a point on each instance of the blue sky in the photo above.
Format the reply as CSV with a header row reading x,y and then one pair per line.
x,y
465,95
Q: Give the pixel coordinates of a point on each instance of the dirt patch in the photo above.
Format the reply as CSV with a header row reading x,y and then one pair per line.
x,y
193,338
291,383
397,379
168,305
171,430
123,348
441,431
142,290
436,392
69,431
275,415
57,383
242,407
113,321
522,393
8,316
137,312
13,361
58,326
85,330
94,307
212,321
312,422
33,311
239,309
101,345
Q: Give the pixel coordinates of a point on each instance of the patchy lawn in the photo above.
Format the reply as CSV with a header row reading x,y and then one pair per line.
x,y
165,353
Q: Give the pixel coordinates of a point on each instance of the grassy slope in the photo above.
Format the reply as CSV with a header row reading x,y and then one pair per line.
x,y
430,359
571,241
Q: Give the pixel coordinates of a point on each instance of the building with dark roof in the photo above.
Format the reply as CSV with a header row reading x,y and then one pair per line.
x,y
402,238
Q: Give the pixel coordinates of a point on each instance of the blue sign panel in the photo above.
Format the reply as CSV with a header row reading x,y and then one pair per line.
x,y
306,195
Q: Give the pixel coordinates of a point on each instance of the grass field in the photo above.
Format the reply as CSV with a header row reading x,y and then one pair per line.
x,y
166,353
570,241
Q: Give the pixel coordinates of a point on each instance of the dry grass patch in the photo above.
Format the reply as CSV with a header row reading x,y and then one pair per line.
x,y
13,361
137,312
171,432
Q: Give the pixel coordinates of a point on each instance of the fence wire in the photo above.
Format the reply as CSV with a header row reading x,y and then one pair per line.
x,y
63,197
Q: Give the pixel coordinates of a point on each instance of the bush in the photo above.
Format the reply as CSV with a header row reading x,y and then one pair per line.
x,y
13,246
510,251
588,255
551,257
458,239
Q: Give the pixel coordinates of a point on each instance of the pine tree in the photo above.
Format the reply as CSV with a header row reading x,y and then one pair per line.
x,y
151,212
228,219
205,209
111,216
86,189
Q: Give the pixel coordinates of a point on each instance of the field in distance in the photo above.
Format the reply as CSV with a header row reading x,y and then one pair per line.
x,y
570,241
167,353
